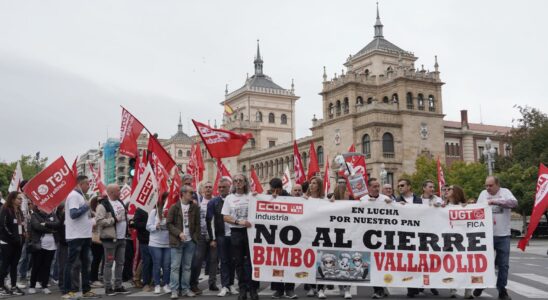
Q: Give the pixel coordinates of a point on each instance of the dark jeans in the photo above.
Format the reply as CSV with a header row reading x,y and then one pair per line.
x,y
41,266
161,260
97,256
202,252
224,246
242,260
283,287
10,257
502,258
77,248
146,263
127,275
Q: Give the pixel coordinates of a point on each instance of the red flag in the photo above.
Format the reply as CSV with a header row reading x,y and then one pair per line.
x,y
139,169
313,166
541,204
255,182
160,154
196,166
298,168
129,133
51,186
222,172
99,184
358,162
74,169
161,175
176,184
221,143
145,194
326,183
441,177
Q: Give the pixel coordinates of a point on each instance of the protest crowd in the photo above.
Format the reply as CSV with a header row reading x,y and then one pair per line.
x,y
102,241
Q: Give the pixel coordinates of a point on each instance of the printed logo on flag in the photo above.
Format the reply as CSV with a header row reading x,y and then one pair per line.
x,y
280,207
146,191
466,214
213,137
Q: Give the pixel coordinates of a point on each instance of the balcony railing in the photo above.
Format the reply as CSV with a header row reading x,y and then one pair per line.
x,y
388,155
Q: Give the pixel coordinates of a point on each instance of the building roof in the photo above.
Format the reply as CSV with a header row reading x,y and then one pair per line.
x,y
478,127
180,136
262,81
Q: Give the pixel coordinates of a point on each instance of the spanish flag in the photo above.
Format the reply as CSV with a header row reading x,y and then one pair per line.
x,y
228,110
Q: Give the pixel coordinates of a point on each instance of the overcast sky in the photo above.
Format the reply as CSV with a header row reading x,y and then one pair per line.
x,y
67,66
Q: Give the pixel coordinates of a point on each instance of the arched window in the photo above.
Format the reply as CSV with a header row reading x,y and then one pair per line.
x,y
447,148
180,153
284,119
431,103
346,106
359,100
271,118
338,107
319,153
258,116
385,99
366,72
188,153
241,116
304,159
395,98
331,110
409,100
244,169
389,70
420,101
388,145
252,142
369,100
366,145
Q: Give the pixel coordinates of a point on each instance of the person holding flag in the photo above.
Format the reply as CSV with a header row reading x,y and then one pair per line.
x,y
501,201
159,246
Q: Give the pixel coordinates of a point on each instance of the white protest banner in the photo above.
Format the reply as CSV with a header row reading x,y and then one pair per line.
x,y
368,243
145,194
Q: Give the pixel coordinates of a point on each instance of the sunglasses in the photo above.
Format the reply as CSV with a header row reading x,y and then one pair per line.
x,y
238,180
449,188
401,185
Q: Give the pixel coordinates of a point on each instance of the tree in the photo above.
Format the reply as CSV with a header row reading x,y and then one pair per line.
x,y
30,166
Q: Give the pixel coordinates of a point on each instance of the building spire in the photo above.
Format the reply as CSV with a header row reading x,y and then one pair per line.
x,y
378,25
258,61
180,125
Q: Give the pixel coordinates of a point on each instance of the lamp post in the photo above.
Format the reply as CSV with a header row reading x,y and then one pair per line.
x,y
383,173
489,154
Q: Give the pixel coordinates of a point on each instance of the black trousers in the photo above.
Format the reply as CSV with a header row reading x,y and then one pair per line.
x,y
242,260
127,275
11,253
41,267
97,256
283,286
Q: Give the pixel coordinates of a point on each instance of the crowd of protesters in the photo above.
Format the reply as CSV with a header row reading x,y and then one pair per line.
x,y
86,240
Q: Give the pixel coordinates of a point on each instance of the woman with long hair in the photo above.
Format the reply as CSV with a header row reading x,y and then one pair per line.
x,y
12,237
158,245
44,227
455,196
341,192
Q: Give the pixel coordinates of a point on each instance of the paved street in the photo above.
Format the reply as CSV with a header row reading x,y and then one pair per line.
x,y
528,280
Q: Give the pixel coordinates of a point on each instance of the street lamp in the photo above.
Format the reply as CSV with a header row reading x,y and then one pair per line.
x,y
489,154
383,173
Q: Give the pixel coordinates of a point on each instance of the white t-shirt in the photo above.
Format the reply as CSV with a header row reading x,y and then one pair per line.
x,y
408,199
434,201
381,197
186,228
48,242
79,228
501,215
236,206
203,212
119,214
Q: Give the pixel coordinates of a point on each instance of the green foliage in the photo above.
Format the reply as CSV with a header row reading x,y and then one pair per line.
x,y
529,139
30,166
522,183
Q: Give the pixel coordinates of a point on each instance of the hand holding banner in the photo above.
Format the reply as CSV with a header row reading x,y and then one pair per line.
x,y
51,186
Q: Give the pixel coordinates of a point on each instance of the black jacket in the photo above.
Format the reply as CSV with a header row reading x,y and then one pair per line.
x,y
9,226
61,217
37,230
214,208
139,222
416,199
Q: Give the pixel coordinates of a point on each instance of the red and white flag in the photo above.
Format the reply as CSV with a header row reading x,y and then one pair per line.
x,y
196,166
541,205
441,177
74,168
286,180
313,166
51,186
222,172
358,162
160,154
145,194
16,178
326,183
97,181
174,188
139,169
221,143
298,167
129,133
255,182
125,193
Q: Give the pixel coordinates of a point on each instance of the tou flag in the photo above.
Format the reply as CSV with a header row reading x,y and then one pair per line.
x,y
16,178
541,204
129,132
51,186
441,177
255,182
326,183
300,178
313,166
221,143
145,194
286,180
